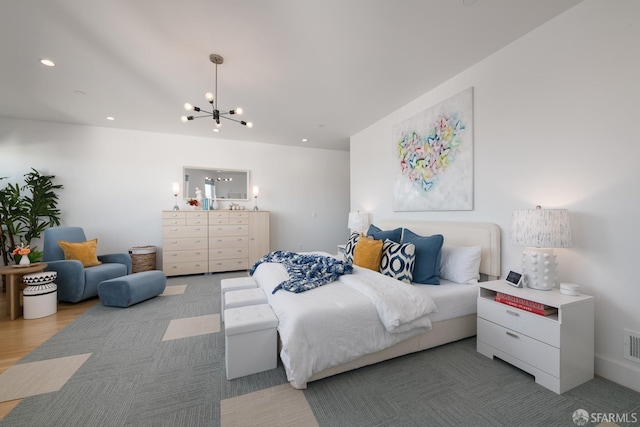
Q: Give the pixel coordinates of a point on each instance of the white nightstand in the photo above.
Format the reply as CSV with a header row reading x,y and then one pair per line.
x,y
557,349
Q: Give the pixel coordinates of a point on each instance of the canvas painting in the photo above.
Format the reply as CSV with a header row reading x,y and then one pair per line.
x,y
434,157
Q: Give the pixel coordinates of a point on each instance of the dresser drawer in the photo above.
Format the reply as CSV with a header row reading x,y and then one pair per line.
x,y
229,230
520,346
228,253
172,222
536,326
219,220
181,244
199,221
179,268
196,215
185,231
217,215
228,264
173,215
229,242
184,256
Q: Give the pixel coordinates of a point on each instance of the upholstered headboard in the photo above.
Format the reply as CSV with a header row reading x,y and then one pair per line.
x,y
483,234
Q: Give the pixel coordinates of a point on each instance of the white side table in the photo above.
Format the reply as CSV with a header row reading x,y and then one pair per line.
x,y
556,349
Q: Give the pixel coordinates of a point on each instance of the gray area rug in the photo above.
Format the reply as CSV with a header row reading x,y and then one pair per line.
x,y
133,378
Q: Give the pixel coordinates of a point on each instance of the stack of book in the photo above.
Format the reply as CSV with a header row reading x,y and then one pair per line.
x,y
525,304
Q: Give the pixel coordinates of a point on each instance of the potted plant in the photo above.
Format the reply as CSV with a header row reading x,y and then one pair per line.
x,y
25,212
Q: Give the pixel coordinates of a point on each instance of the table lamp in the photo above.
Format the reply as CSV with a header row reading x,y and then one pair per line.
x,y
540,230
176,190
358,222
256,191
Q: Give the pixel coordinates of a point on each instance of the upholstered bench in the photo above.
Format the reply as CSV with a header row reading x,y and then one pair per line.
x,y
234,284
128,290
243,297
250,340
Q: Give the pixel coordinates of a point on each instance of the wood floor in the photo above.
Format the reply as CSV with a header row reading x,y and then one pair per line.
x,y
19,337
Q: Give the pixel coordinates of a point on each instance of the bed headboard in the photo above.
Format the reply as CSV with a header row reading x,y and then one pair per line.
x,y
483,234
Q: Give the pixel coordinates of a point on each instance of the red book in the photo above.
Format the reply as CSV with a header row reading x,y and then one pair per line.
x,y
521,301
546,311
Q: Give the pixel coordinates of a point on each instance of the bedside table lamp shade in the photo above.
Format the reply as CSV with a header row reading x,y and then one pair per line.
x,y
358,221
540,230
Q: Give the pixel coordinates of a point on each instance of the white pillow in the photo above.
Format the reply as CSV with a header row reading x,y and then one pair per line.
x,y
461,264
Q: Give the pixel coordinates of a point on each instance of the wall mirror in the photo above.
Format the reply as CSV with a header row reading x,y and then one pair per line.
x,y
226,184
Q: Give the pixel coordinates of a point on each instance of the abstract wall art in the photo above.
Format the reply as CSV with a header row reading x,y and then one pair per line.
x,y
434,157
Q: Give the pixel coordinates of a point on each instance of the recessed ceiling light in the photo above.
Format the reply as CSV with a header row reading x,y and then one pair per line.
x,y
111,118
304,139
216,130
47,62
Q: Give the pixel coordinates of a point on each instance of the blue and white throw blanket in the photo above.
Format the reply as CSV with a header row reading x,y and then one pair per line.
x,y
306,271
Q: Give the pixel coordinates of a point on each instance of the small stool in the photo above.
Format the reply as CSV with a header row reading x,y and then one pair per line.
x,y
250,340
242,298
234,284
41,295
128,290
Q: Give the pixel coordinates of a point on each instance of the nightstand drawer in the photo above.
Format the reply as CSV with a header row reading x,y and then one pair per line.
x,y
520,346
534,325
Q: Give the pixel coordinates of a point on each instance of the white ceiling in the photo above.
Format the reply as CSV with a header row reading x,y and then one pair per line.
x,y
316,69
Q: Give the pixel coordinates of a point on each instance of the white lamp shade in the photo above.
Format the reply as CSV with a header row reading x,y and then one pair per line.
x,y
176,188
541,228
256,190
358,221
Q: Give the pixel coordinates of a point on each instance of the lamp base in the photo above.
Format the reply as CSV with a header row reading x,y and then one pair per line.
x,y
539,267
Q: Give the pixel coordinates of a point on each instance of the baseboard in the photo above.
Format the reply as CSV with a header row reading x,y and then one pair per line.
x,y
613,370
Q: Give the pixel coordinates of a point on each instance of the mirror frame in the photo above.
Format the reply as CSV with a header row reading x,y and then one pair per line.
x,y
213,172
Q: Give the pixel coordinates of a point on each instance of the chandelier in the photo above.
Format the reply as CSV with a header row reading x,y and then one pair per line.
x,y
212,98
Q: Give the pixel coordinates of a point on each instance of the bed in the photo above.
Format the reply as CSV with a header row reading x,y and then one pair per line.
x,y
336,328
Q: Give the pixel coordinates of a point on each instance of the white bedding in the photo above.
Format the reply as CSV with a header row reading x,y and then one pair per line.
x,y
452,299
337,322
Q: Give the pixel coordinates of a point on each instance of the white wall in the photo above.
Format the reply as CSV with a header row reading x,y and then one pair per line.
x,y
117,182
555,117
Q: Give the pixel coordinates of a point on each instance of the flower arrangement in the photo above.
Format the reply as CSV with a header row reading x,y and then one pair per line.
x,y
22,250
193,202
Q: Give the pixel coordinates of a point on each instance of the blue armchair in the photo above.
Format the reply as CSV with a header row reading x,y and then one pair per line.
x,y
76,282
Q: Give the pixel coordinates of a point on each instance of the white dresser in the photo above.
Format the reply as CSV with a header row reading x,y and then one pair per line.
x,y
184,242
556,349
213,241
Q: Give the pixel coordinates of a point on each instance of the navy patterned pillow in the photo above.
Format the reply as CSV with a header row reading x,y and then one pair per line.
x,y
398,260
350,247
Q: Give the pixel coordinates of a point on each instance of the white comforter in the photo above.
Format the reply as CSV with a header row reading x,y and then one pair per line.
x,y
361,313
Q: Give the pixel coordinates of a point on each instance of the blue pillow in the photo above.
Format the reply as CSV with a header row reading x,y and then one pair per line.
x,y
427,265
393,235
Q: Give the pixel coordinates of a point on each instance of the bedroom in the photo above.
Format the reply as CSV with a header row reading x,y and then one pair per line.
x,y
552,127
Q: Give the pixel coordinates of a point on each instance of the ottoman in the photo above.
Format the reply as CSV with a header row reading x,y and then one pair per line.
x,y
234,284
41,295
250,340
243,297
128,290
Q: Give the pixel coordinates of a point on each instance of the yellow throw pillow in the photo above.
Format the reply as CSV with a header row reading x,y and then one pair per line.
x,y
85,252
368,253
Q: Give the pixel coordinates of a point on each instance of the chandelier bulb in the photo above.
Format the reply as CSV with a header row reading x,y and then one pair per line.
x,y
218,124
238,111
188,106
184,119
209,97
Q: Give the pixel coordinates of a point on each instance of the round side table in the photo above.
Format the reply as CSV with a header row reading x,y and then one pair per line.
x,y
14,280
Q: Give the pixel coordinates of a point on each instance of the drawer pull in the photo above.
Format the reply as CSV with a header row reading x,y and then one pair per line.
x,y
513,313
511,334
